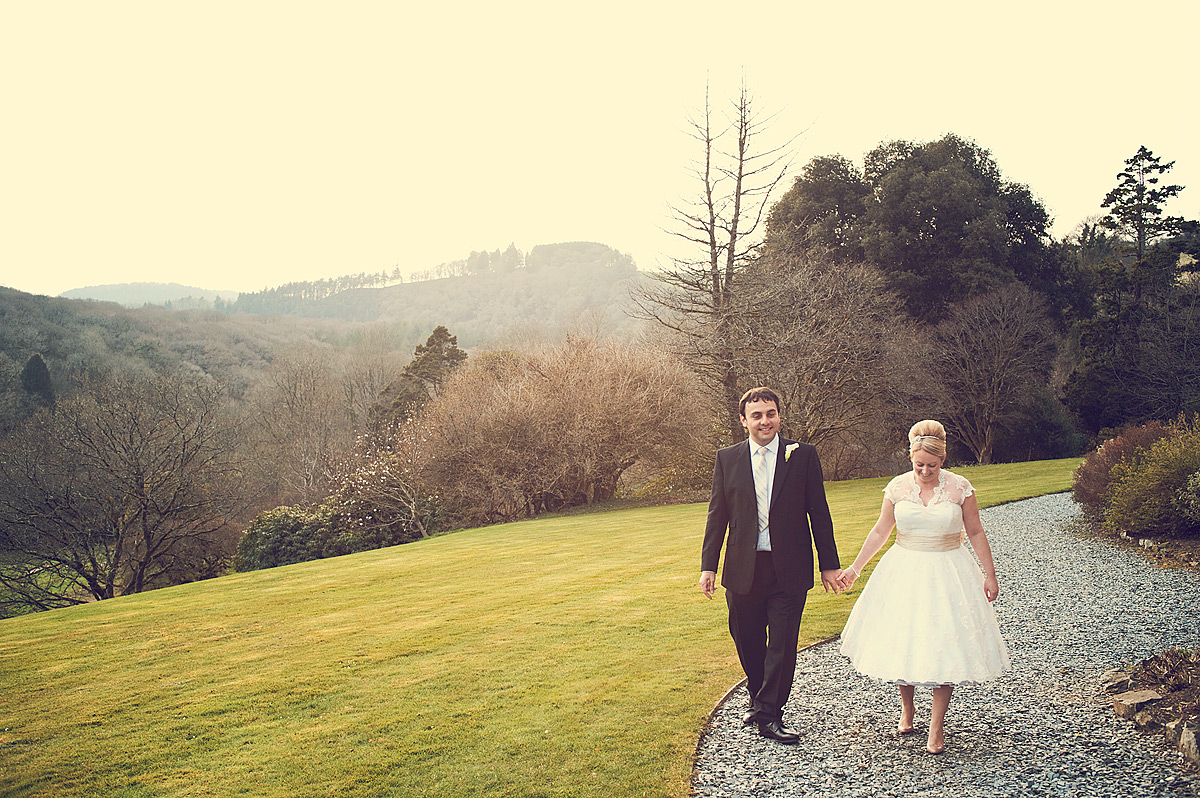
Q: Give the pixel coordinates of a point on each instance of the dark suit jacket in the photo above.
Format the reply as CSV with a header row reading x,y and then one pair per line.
x,y
799,517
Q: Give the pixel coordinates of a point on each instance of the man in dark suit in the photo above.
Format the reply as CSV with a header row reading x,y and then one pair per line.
x,y
769,493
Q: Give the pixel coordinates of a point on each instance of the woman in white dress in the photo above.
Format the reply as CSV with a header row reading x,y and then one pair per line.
x,y
925,618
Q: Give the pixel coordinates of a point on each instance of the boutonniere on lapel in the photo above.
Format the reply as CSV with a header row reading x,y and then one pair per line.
x,y
787,453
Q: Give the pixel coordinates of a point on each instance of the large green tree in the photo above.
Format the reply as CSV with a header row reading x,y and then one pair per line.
x,y
937,218
821,211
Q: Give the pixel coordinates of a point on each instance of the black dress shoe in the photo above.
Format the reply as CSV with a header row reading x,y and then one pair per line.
x,y
774,730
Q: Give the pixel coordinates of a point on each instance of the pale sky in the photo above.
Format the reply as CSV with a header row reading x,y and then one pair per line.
x,y
242,145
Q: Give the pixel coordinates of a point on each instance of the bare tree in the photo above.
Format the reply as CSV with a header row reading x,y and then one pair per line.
x,y
694,297
986,358
832,340
303,428
369,365
521,433
117,491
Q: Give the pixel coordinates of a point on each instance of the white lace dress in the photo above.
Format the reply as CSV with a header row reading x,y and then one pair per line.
x,y
923,619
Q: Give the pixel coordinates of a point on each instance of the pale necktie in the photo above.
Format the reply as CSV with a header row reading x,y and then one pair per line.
x,y
762,488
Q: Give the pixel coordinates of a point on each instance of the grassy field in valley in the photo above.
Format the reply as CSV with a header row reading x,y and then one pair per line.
x,y
563,656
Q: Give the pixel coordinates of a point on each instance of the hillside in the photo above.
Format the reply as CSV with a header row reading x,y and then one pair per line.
x,y
77,337
558,286
135,295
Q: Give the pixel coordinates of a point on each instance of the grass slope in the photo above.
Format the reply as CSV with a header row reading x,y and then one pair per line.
x,y
565,656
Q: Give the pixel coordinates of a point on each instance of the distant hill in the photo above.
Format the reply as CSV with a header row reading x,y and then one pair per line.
x,y
579,286
135,295
555,287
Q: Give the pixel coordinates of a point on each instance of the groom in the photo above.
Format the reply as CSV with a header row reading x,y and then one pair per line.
x,y
770,495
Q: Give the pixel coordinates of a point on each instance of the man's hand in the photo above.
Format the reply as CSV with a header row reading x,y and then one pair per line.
x,y
708,583
832,580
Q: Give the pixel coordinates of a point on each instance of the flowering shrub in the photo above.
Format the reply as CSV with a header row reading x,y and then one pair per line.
x,y
380,499
378,502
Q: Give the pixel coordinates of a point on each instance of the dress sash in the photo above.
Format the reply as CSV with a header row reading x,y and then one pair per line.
x,y
923,541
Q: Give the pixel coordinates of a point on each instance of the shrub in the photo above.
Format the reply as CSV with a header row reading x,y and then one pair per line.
x,y
1094,475
1187,501
376,506
519,434
1143,499
284,536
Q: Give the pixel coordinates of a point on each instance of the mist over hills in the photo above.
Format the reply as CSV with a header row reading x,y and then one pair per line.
x,y
135,295
553,289
558,287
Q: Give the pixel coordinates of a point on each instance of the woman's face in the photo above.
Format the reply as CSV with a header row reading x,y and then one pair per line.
x,y
926,466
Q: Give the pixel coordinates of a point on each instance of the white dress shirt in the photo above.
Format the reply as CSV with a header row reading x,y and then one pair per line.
x,y
764,536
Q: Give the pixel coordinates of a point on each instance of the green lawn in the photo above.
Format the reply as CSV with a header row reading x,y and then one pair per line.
x,y
565,656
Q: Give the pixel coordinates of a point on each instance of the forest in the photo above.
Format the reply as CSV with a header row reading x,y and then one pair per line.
x,y
144,447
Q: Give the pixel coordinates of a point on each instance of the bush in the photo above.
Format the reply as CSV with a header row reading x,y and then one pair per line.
x,y
520,434
284,536
1144,497
343,524
1094,475
1187,501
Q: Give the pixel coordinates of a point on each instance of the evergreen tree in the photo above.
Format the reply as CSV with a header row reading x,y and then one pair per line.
x,y
1136,203
1140,352
937,218
35,380
422,379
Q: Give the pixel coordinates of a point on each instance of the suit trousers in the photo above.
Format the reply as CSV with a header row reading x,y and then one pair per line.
x,y
765,626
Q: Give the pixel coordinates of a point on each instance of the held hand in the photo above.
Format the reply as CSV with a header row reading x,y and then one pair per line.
x,y
991,588
708,583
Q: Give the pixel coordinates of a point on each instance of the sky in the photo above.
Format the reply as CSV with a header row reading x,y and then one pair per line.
x,y
242,145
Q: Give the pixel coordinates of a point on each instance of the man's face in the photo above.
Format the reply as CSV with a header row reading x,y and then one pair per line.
x,y
761,420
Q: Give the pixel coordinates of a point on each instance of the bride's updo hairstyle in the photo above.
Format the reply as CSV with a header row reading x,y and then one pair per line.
x,y
927,436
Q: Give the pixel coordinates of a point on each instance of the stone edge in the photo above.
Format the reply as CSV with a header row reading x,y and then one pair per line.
x,y
708,722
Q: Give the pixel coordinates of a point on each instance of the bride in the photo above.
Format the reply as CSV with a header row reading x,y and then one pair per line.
x,y
925,618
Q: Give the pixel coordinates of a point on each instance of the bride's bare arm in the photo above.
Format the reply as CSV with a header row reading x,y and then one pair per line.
x,y
979,542
874,542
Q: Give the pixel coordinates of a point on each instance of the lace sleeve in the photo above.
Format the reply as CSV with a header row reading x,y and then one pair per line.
x,y
963,487
896,489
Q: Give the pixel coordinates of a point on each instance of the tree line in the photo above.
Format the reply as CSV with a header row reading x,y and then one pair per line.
x,y
294,296
924,284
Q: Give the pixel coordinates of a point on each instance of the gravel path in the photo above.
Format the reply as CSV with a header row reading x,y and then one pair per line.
x,y
1070,608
